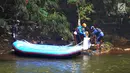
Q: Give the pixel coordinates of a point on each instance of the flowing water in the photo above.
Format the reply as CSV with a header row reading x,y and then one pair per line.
x,y
118,63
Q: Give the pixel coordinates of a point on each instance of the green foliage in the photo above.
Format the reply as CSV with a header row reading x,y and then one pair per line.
x,y
43,12
83,8
71,1
3,24
56,24
107,46
21,10
53,22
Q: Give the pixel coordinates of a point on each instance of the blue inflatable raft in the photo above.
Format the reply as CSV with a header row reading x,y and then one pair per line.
x,y
25,47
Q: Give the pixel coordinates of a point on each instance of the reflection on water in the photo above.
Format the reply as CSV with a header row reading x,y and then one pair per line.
x,y
83,64
46,66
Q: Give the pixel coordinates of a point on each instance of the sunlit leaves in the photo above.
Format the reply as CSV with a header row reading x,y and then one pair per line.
x,y
43,12
83,8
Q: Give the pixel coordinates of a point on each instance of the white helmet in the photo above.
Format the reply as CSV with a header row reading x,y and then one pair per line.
x,y
92,27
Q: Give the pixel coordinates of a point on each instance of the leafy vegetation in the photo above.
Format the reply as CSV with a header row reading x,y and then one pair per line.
x,y
53,21
84,8
47,13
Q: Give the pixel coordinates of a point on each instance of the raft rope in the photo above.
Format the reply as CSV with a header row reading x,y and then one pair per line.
x,y
79,43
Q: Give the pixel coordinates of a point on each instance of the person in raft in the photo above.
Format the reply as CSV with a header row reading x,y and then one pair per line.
x,y
86,42
79,33
98,33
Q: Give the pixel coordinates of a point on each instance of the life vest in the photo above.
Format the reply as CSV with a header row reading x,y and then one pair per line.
x,y
98,32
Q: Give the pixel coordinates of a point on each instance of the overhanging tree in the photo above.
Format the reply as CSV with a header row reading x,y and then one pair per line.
x,y
48,13
84,8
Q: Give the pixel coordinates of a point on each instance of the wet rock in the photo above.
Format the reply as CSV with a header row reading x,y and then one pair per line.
x,y
127,49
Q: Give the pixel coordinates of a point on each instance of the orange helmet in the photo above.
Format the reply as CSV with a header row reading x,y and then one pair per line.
x,y
84,24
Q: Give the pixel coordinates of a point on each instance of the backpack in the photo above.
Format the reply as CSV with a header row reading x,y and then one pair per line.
x,y
98,31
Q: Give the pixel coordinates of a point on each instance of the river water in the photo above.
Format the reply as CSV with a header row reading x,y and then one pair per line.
x,y
116,63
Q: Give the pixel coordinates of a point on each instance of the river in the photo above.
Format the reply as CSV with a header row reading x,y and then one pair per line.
x,y
114,63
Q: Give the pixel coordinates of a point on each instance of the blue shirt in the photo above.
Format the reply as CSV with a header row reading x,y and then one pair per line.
x,y
80,30
98,32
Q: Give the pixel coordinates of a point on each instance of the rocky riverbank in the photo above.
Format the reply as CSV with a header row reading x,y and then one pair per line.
x,y
107,48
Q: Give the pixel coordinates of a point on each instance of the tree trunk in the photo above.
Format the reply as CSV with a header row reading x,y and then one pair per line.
x,y
79,20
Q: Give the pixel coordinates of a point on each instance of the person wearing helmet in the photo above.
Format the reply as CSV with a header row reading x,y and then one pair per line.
x,y
80,32
98,33
84,25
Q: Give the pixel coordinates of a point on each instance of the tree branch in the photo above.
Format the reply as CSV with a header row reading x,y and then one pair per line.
x,y
2,8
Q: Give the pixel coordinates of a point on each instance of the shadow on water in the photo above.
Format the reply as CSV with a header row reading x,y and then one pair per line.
x,y
75,65
22,64
72,56
48,66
